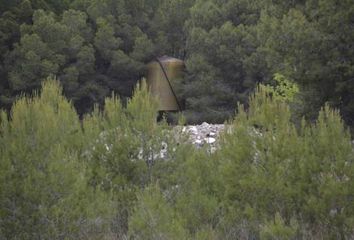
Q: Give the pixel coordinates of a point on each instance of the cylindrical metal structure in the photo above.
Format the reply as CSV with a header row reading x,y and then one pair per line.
x,y
162,78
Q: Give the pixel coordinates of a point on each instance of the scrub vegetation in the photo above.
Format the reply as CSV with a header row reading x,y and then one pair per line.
x,y
83,157
96,47
104,177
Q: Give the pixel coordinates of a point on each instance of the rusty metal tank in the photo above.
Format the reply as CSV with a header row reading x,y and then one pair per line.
x,y
164,74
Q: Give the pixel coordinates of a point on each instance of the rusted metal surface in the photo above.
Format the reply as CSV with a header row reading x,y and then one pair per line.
x,y
163,76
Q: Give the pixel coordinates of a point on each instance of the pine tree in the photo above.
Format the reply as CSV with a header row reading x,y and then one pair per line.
x,y
270,168
153,218
44,192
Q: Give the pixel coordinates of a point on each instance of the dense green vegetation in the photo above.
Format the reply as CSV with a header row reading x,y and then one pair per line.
x,y
95,47
83,157
104,177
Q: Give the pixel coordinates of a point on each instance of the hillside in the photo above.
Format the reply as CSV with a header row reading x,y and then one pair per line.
x,y
96,47
118,174
176,119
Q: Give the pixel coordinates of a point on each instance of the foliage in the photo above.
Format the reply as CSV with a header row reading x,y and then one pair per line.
x,y
278,229
220,48
271,169
63,177
123,147
153,218
118,173
96,47
44,192
284,90
99,165
268,180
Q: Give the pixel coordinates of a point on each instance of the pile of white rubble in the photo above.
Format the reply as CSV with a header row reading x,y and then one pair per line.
x,y
204,134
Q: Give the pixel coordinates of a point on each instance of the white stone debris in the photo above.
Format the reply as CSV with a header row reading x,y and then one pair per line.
x,y
204,134
163,151
210,140
201,136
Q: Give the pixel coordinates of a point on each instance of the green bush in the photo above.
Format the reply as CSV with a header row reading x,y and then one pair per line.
x,y
269,168
43,187
153,218
124,150
118,174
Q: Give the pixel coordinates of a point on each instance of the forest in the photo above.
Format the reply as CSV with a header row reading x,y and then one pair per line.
x,y
80,147
96,47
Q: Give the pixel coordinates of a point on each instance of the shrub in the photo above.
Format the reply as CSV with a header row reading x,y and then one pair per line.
x,y
43,187
270,168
